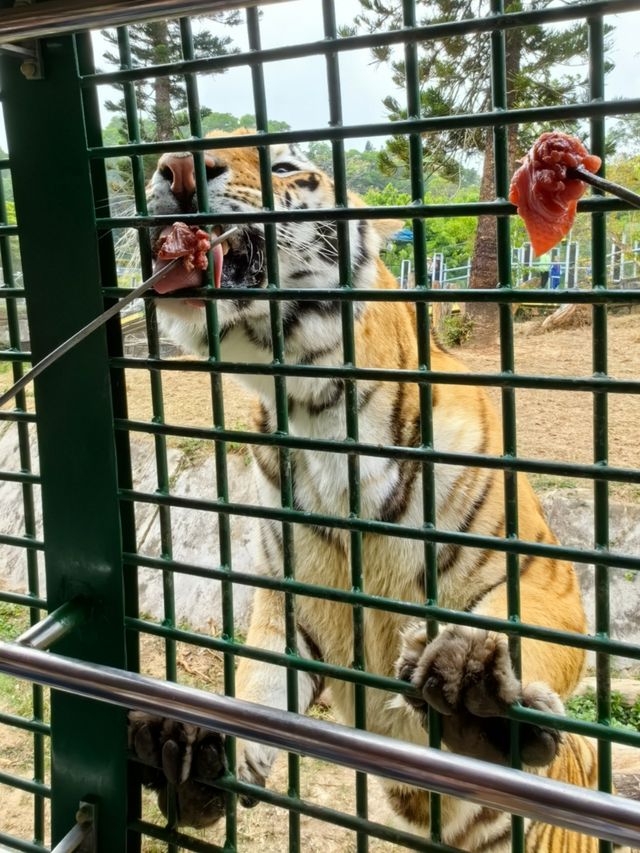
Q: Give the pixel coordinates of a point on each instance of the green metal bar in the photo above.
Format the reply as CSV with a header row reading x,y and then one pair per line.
x,y
508,409
28,502
19,598
217,405
460,121
81,514
423,329
322,214
513,297
13,354
27,785
157,402
499,380
351,395
600,417
281,402
17,844
404,35
108,275
108,268
18,417
19,477
35,726
515,546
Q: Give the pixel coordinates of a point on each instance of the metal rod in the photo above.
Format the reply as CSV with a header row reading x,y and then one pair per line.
x,y
73,839
604,184
584,811
54,626
66,16
98,321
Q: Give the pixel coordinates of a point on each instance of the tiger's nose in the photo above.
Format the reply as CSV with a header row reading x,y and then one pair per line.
x,y
179,170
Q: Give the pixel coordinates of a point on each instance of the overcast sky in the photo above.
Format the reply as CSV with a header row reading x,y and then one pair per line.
x,y
297,89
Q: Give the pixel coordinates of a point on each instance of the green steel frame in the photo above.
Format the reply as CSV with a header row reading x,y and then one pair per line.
x,y
89,536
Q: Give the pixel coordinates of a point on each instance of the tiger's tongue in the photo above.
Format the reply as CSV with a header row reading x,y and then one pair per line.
x,y
180,279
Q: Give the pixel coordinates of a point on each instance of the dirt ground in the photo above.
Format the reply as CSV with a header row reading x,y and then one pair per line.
x,y
554,425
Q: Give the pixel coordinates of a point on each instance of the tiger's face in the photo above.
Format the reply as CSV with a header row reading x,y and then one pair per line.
x,y
307,252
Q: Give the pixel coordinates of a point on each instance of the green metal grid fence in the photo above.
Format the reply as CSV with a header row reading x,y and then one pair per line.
x,y
89,506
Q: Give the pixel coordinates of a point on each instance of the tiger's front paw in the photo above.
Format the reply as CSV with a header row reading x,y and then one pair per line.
x,y
185,754
466,675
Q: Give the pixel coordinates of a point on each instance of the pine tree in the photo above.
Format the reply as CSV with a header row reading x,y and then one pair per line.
x,y
162,101
544,67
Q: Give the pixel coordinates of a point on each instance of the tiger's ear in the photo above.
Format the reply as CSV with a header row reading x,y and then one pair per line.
x,y
384,228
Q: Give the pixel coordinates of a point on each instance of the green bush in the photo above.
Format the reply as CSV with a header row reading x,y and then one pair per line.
x,y
456,329
624,715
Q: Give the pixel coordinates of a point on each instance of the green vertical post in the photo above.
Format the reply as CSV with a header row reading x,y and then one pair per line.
x,y
600,415
509,444
423,329
351,399
109,277
77,460
220,447
28,503
282,409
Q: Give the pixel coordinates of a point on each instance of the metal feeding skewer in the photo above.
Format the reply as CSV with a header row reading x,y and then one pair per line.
x,y
81,334
604,184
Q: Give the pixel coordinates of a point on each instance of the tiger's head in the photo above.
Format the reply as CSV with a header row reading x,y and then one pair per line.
x,y
307,251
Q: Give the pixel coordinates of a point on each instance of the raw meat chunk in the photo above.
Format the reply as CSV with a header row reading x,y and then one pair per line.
x,y
546,198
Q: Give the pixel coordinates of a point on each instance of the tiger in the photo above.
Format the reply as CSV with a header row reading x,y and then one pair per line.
x,y
465,673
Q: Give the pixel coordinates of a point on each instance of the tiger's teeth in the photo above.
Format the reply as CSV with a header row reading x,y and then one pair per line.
x,y
225,247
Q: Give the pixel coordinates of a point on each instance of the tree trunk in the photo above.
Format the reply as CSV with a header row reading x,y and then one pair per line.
x,y
484,264
163,113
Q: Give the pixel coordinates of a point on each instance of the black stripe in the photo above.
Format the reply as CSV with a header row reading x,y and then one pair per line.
x,y
525,562
476,601
258,340
448,555
395,505
361,254
295,312
332,395
311,183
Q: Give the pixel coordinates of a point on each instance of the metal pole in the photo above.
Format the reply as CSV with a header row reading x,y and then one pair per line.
x,y
578,809
66,16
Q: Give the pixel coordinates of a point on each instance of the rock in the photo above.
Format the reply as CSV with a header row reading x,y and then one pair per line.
x,y
570,514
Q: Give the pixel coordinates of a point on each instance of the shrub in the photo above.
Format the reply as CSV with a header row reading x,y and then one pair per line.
x,y
456,329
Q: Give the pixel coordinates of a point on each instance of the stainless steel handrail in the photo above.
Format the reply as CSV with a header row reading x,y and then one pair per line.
x,y
605,816
66,16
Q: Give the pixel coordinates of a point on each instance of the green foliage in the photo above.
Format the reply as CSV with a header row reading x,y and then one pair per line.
x,y
456,330
13,620
454,74
162,101
453,237
362,167
624,715
11,212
